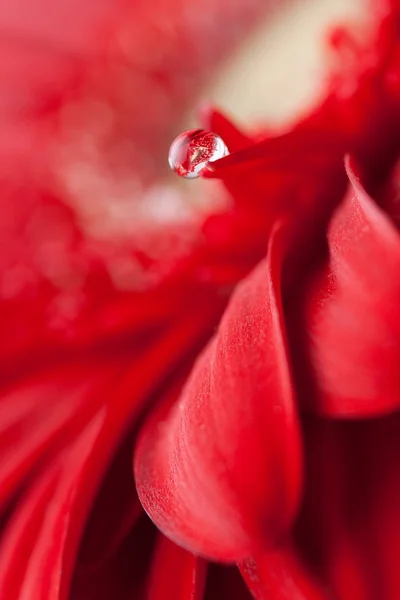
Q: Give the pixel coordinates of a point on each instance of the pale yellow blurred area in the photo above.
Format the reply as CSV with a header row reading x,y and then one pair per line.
x,y
282,66
278,72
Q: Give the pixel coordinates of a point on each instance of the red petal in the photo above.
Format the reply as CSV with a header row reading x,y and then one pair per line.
x,y
175,574
299,176
214,120
353,323
40,525
69,25
280,575
42,569
270,152
221,473
34,425
349,528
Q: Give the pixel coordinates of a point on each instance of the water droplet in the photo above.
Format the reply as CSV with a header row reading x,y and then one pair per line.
x,y
192,150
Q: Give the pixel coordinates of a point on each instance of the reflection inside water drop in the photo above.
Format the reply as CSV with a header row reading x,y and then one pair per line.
x,y
192,150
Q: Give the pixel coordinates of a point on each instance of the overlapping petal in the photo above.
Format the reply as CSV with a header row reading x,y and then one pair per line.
x,y
221,472
175,573
352,319
66,448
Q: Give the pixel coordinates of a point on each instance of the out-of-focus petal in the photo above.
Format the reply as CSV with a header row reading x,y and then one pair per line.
x,y
348,528
221,473
66,25
175,574
280,575
69,473
214,120
32,427
124,576
30,566
352,317
296,175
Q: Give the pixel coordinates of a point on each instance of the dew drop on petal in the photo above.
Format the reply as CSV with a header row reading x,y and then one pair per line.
x,y
192,150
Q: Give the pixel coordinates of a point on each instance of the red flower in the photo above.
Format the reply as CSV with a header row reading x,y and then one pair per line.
x,y
274,443
281,452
